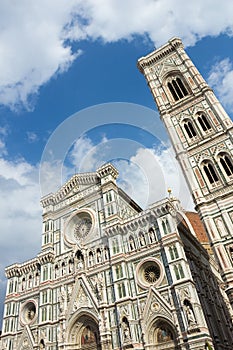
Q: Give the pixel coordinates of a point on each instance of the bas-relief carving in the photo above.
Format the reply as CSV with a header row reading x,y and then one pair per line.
x,y
124,311
24,342
184,293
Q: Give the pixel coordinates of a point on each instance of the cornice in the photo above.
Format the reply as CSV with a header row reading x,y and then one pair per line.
x,y
159,54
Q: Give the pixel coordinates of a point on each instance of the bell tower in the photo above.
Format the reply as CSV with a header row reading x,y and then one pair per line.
x,y
202,136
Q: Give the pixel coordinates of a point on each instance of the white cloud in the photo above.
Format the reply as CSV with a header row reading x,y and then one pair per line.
x,y
32,47
83,155
221,80
20,215
150,173
36,37
32,137
145,174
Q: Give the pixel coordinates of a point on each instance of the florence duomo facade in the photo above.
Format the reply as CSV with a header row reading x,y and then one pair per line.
x,y
113,276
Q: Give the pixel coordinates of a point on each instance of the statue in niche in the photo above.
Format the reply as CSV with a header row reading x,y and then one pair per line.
x,y
71,266
131,243
189,313
151,235
106,255
80,259
69,292
42,344
60,333
231,252
221,227
35,334
80,264
125,329
99,286
91,259
98,256
56,272
103,320
142,239
37,278
23,283
62,299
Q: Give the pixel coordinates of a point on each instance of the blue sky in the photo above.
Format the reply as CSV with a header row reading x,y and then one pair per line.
x,y
58,59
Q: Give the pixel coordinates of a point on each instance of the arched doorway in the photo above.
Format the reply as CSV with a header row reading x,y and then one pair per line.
x,y
84,334
162,336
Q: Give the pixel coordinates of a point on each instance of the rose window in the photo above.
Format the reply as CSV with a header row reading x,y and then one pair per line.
x,y
28,313
151,273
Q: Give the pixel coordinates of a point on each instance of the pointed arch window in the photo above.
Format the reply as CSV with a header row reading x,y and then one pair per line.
x,y
179,272
115,246
125,329
30,281
98,256
56,271
91,259
189,128
173,252
231,252
110,210
210,173
226,163
121,290
166,226
44,314
119,271
23,283
11,287
204,123
177,88
63,269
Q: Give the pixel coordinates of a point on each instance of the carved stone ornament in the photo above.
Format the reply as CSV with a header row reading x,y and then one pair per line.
x,y
79,226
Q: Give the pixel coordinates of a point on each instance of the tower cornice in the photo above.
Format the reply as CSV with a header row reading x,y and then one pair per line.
x,y
159,54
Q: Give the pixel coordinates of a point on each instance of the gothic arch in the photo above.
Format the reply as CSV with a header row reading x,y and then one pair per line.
x,y
203,122
161,334
226,163
190,128
210,172
176,86
83,331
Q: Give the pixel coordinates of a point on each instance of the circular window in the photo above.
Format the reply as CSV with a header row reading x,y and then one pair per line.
x,y
28,312
79,226
149,272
